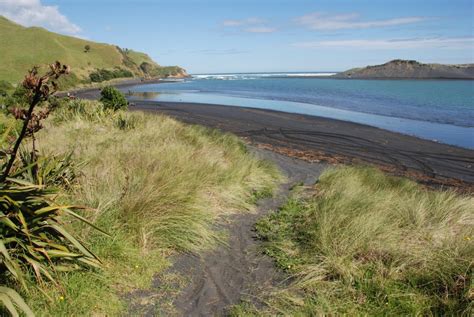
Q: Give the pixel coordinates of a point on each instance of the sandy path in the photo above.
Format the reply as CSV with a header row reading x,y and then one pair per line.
x,y
232,272
239,271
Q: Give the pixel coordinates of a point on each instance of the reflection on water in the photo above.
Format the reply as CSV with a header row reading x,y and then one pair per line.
x,y
146,95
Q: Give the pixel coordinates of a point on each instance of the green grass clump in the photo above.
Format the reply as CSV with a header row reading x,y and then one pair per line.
x,y
364,243
157,186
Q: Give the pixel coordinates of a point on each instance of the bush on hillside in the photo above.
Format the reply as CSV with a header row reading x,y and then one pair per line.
x,y
113,99
103,74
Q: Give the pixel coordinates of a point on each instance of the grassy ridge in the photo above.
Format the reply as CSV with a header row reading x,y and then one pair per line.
x,y
156,185
360,243
37,46
31,46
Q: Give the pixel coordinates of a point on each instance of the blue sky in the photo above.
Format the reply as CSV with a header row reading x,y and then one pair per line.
x,y
261,35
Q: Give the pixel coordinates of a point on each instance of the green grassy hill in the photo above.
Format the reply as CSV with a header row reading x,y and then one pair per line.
x,y
26,47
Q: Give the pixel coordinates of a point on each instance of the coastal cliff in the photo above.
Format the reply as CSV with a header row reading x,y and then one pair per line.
x,y
410,69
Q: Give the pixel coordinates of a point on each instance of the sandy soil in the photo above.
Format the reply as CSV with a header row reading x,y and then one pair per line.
x,y
239,271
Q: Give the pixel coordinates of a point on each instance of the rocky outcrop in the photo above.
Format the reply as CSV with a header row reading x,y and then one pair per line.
x,y
409,69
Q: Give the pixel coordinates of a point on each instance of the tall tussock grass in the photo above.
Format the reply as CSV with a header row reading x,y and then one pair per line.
x,y
156,186
361,242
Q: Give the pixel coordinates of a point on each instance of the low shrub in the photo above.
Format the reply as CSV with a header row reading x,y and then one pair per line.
x,y
112,98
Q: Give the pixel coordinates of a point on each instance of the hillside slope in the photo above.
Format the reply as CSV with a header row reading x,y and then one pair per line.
x,y
23,47
410,69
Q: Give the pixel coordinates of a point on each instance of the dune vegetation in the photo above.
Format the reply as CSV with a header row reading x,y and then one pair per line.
x,y
156,187
97,199
363,243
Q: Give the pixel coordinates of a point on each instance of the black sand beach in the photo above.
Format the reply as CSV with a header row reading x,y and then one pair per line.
x,y
321,139
318,139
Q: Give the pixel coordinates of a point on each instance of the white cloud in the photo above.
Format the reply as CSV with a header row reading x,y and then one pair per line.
x,y
34,13
260,29
322,21
427,43
250,25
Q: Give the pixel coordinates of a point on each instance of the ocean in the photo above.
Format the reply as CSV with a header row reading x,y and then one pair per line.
x,y
439,110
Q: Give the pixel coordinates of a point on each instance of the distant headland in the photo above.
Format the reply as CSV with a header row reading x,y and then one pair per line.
x,y
410,69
